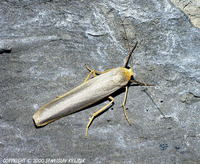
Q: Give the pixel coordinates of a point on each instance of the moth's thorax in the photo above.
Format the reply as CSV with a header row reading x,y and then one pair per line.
x,y
121,76
129,72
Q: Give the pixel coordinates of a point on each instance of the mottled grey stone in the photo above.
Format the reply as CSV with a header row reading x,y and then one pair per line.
x,y
44,46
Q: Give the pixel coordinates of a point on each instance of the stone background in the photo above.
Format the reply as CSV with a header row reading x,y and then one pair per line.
x,y
44,47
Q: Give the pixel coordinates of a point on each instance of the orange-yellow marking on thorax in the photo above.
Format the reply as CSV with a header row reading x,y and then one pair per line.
x,y
128,72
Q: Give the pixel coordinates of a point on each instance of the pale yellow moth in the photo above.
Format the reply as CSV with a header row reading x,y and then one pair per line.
x,y
88,93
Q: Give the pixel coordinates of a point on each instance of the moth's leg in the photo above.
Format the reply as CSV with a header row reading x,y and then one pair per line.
x,y
86,79
123,104
93,72
99,72
88,76
140,83
97,113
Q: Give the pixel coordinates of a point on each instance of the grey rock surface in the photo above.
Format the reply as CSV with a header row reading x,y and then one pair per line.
x,y
44,46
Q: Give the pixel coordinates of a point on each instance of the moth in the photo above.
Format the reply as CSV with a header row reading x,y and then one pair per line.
x,y
102,85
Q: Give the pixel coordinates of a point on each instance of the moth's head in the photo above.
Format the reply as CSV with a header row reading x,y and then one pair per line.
x,y
130,70
129,73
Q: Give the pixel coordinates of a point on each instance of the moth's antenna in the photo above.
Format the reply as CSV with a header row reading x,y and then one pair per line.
x,y
129,55
152,95
126,35
128,46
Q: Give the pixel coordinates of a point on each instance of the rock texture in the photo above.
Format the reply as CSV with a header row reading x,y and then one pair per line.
x,y
191,8
44,47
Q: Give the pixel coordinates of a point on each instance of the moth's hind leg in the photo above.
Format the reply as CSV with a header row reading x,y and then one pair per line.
x,y
97,113
123,105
